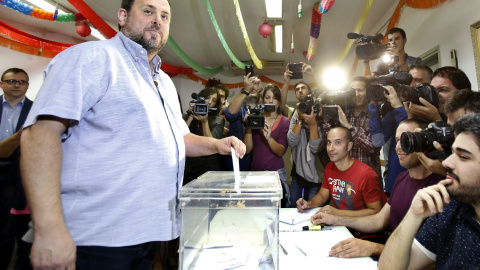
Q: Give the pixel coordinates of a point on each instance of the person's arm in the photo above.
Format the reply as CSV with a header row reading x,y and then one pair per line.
x,y
318,200
426,110
372,208
366,68
205,126
40,164
355,247
248,140
294,130
196,146
8,146
400,249
286,82
307,69
238,101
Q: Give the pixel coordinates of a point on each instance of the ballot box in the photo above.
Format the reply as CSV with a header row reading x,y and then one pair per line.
x,y
228,223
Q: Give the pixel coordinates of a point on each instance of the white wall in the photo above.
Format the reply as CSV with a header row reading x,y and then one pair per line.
x,y
448,26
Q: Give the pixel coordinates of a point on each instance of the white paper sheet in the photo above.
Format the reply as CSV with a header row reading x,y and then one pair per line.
x,y
236,170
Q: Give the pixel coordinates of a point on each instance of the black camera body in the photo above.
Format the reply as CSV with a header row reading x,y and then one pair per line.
x,y
256,120
422,90
423,141
342,98
370,47
397,79
200,107
309,102
296,69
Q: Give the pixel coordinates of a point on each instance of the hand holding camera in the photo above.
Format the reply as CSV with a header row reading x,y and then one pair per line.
x,y
392,97
426,111
433,165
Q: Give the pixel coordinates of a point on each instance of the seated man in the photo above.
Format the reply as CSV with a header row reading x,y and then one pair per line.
x,y
442,226
406,185
352,184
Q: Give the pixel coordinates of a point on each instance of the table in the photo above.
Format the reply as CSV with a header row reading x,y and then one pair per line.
x,y
309,249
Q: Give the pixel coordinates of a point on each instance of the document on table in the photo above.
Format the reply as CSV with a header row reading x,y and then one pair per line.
x,y
294,216
313,243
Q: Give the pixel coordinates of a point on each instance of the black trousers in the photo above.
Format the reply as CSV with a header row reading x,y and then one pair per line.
x,y
7,232
137,257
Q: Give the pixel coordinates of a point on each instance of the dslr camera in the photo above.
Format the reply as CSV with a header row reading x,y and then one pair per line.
x,y
423,141
256,120
306,106
199,107
342,98
422,90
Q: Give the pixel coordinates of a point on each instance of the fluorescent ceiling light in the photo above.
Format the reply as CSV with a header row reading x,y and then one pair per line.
x,y
278,38
97,33
274,8
45,6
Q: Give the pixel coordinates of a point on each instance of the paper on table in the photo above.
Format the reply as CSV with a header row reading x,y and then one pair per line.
x,y
294,216
236,170
260,179
313,248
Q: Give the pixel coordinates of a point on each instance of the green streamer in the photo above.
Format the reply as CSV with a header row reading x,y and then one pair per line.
x,y
189,61
222,39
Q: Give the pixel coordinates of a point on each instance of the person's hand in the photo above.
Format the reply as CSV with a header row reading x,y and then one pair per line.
x,y
286,75
427,111
392,97
246,115
248,82
323,218
267,131
433,165
327,209
410,114
257,86
307,69
342,118
309,118
300,114
430,200
224,146
353,248
377,102
201,118
302,205
53,249
225,131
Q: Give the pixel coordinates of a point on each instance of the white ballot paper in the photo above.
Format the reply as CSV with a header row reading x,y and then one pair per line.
x,y
236,170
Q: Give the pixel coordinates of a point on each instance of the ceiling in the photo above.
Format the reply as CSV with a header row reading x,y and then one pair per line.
x,y
193,31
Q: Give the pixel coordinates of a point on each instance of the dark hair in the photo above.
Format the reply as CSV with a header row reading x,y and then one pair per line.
x,y
424,67
360,79
277,94
348,133
127,5
420,123
302,82
220,86
468,123
458,78
397,30
15,71
206,93
463,99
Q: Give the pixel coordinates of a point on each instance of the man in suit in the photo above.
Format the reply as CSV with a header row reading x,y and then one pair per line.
x,y
14,214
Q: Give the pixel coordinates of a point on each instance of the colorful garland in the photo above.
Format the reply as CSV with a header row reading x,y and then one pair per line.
x,y
259,64
318,9
40,13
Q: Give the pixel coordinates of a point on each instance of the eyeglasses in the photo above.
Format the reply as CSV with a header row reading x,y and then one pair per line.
x,y
14,82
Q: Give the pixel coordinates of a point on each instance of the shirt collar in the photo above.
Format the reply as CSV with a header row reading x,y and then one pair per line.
x,y
20,102
137,51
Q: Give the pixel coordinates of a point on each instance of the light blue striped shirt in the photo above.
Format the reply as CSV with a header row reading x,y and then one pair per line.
x,y
10,118
124,151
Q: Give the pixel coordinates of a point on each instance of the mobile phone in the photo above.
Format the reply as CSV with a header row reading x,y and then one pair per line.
x,y
296,69
249,69
330,112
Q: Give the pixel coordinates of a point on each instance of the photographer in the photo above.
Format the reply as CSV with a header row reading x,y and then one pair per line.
x,y
397,40
208,125
446,81
383,128
269,144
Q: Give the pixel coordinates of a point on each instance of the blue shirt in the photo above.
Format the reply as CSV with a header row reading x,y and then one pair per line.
x,y
237,129
452,238
124,151
10,117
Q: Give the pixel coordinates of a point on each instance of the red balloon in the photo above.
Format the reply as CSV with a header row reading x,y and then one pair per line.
x,y
265,30
84,30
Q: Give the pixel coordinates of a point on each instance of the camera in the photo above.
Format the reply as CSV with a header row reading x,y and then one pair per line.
x,y
330,112
200,107
296,70
422,90
256,120
371,46
306,106
249,69
343,98
423,141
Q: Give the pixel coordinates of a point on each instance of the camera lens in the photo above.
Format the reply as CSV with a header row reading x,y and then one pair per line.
x,y
406,93
305,107
417,141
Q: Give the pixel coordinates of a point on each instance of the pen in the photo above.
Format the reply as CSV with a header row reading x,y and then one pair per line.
x,y
283,249
301,250
308,228
303,192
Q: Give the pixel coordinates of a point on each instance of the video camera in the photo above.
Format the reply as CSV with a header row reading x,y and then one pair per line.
x,y
256,120
423,141
371,46
200,107
306,106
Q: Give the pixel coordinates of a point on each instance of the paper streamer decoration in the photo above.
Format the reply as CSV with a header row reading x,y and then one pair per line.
x,y
259,64
90,15
237,62
189,61
319,8
356,29
40,13
24,48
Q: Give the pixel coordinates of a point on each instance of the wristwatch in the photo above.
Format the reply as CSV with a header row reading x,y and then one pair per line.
x,y
298,122
244,92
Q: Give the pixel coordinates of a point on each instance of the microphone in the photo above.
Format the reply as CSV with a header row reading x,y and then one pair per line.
x,y
354,35
194,95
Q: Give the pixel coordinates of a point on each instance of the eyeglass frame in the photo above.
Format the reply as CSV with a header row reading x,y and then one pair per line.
x,y
14,82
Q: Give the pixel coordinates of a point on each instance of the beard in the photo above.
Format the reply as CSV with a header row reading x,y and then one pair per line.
x,y
465,193
152,46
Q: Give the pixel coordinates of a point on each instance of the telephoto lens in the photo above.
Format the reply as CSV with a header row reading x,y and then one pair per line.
x,y
423,141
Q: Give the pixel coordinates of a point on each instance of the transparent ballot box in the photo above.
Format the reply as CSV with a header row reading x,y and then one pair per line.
x,y
229,226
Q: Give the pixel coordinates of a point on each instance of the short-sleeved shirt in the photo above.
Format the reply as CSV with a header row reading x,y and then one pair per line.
x,y
353,188
403,192
263,158
452,238
381,68
124,150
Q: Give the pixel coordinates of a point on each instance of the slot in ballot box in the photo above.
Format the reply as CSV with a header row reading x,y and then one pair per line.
x,y
223,227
